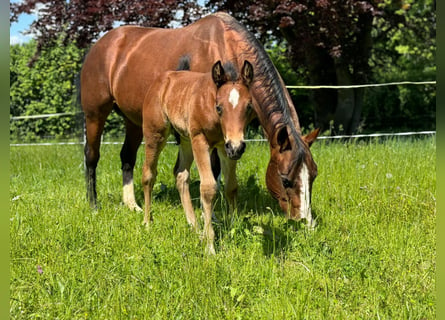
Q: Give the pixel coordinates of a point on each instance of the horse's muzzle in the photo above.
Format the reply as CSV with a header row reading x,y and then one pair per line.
x,y
235,152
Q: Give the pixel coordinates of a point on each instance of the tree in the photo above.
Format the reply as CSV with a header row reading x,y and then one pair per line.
x,y
333,40
83,21
404,49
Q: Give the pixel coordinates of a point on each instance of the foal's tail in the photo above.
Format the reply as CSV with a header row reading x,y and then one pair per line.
x,y
184,63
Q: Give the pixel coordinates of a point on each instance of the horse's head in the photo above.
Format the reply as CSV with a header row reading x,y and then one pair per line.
x,y
233,105
291,172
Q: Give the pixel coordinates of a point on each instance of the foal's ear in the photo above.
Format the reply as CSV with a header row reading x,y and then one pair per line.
x,y
283,139
311,137
247,73
218,74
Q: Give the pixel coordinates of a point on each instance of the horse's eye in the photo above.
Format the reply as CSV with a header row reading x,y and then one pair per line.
x,y
286,183
218,109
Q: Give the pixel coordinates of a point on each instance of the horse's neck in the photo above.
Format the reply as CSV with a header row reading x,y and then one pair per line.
x,y
268,87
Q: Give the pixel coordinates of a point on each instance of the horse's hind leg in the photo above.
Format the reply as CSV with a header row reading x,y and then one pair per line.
x,y
216,164
133,138
94,125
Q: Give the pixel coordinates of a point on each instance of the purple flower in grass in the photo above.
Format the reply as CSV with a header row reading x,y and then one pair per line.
x,y
39,269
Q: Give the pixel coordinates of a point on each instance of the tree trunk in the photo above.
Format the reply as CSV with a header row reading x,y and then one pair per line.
x,y
338,111
321,72
345,101
359,95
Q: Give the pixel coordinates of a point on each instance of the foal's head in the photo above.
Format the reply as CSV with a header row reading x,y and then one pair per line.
x,y
233,105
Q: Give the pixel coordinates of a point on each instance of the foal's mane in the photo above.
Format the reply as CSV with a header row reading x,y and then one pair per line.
x,y
273,101
231,72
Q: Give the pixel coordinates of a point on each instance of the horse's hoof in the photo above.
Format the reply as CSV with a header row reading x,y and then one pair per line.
x,y
210,250
133,207
311,224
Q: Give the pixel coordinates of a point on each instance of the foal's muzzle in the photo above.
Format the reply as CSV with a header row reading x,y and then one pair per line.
x,y
235,152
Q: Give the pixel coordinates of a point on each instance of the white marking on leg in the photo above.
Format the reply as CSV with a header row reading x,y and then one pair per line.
x,y
305,196
128,193
234,97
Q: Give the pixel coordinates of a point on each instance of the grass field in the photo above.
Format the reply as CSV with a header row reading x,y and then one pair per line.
x,y
372,255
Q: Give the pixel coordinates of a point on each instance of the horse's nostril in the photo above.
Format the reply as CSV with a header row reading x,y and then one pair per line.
x,y
227,145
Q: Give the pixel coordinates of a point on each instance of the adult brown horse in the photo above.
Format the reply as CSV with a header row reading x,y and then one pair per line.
x,y
127,60
206,111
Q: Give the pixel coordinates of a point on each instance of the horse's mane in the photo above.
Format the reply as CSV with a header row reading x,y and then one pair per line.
x,y
229,68
274,100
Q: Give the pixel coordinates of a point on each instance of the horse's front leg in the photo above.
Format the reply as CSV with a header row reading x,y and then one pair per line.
x,y
201,153
154,143
228,167
133,138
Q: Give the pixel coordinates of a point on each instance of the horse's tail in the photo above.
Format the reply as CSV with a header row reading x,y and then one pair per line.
x,y
77,101
184,63
78,112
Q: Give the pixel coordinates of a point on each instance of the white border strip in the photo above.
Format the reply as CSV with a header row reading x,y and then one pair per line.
x,y
372,135
379,135
363,85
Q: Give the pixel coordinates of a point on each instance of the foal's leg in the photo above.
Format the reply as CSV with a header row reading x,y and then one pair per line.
x,y
201,154
133,138
94,125
154,143
228,167
182,174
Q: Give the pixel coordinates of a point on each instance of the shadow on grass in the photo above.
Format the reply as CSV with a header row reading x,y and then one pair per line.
x,y
257,211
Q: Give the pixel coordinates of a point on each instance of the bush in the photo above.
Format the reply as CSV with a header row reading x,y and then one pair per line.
x,y
46,87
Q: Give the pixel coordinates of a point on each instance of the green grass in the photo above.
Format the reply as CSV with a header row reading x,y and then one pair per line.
x,y
372,255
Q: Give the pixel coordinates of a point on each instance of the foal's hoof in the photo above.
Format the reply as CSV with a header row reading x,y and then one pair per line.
x,y
210,248
146,224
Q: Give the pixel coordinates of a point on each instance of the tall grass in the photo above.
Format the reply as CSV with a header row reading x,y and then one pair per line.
x,y
371,256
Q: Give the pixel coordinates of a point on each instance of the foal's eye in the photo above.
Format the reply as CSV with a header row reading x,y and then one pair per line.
x,y
219,109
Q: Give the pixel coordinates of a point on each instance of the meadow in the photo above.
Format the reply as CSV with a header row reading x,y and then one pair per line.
x,y
372,255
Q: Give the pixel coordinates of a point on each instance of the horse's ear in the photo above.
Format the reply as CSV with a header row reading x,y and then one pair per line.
x,y
283,139
218,74
311,137
247,73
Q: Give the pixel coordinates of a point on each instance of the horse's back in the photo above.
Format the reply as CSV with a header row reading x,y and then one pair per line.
x,y
181,91
123,64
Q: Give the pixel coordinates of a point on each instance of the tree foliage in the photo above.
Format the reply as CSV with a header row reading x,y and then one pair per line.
x,y
83,21
46,88
311,42
334,40
404,49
